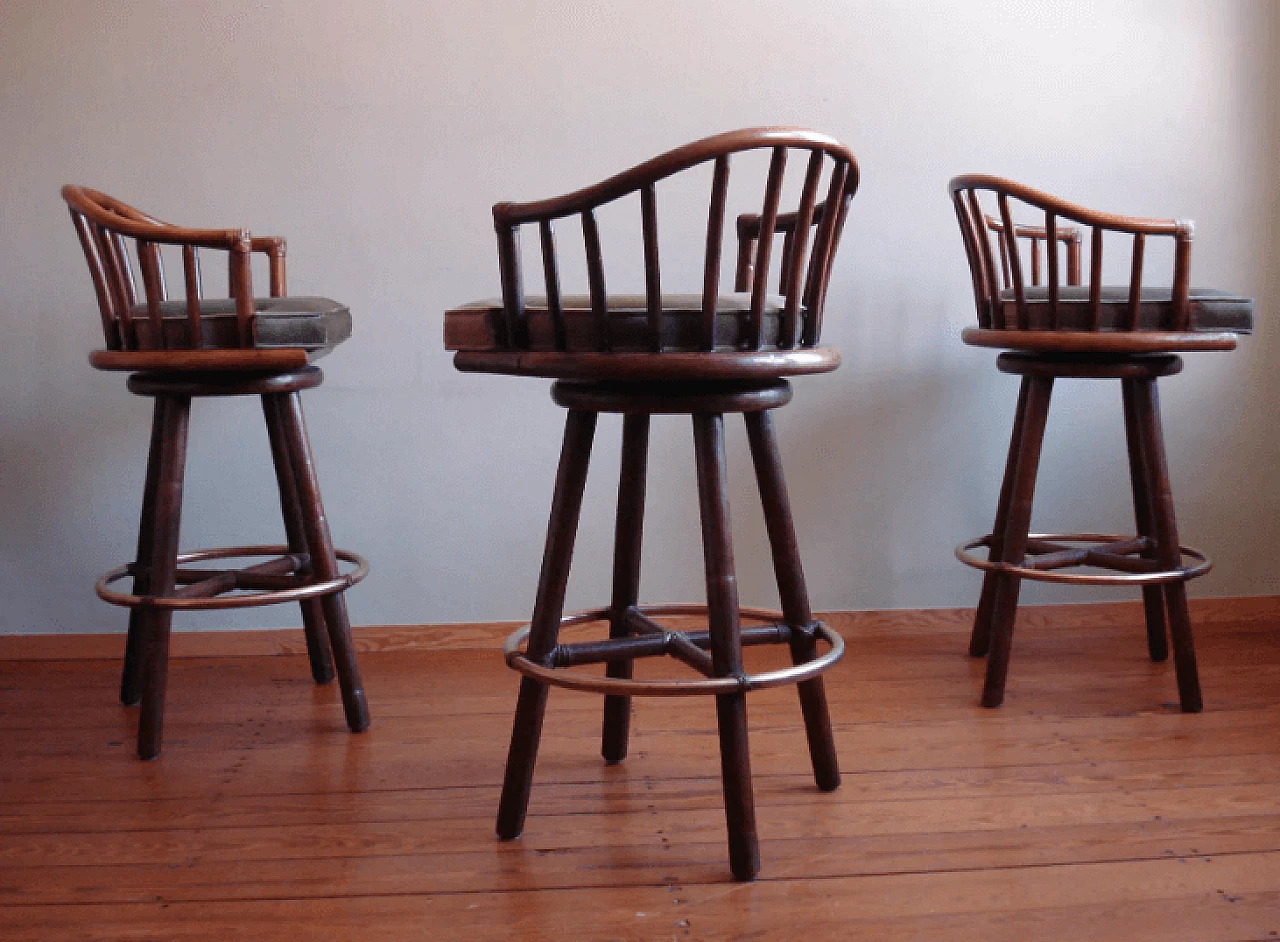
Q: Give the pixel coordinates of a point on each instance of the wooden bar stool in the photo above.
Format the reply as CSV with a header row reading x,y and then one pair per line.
x,y
1129,333
177,350
701,355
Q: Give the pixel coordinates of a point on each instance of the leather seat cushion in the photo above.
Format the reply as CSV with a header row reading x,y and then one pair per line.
x,y
480,324
316,325
1210,309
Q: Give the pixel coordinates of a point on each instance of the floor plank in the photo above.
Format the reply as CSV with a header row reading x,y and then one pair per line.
x,y
1086,807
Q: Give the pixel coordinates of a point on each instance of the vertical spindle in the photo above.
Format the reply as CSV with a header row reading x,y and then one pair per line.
x,y
764,245
1095,278
794,259
652,275
551,276
1135,281
1051,247
194,290
595,279
512,332
715,241
1015,265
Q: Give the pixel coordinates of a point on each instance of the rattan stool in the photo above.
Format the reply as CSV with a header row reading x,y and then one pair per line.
x,y
196,348
699,355
1053,331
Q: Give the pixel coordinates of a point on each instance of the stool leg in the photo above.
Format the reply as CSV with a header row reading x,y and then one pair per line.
x,y
793,593
323,560
1014,544
131,676
626,575
566,504
980,639
312,609
726,643
1169,553
1140,477
162,564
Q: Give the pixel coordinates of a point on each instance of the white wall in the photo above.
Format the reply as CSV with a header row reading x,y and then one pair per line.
x,y
376,135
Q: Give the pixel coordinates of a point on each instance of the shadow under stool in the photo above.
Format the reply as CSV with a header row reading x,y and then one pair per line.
x,y
179,350
1050,331
703,355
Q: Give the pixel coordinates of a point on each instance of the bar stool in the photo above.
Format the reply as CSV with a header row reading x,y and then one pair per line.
x,y
176,350
1129,333
701,355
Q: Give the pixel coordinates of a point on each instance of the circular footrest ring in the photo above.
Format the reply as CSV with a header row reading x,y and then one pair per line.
x,y
249,600
565,677
1182,574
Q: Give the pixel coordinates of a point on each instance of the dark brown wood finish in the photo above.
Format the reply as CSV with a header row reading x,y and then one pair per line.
x,y
566,505
1144,518
161,566
628,539
324,560
308,569
1126,333
726,642
793,593
1013,541
318,651
698,355
131,675
1147,408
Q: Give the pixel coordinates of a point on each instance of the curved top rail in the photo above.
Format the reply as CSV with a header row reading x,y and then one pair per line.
x,y
682,158
1072,211
104,210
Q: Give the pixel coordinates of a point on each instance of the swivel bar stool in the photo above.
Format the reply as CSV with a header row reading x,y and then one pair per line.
x,y
1129,333
193,347
700,355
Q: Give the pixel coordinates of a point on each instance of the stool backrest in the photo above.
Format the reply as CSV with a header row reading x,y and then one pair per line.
x,y
811,234
104,224
975,227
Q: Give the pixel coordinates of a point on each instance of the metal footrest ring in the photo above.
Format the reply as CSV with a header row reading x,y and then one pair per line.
x,y
1139,577
564,677
250,599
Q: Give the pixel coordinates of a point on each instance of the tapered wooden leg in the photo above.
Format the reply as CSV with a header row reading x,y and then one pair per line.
x,y
793,593
566,504
1139,476
162,564
980,639
295,532
1014,545
626,575
1168,553
726,643
324,561
131,676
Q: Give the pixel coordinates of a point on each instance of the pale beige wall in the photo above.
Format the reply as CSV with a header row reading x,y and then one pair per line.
x,y
375,135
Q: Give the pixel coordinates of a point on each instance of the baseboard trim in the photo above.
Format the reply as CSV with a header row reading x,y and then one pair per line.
x,y
490,635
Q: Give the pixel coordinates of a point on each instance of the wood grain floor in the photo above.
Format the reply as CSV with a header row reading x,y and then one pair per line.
x,y
1086,807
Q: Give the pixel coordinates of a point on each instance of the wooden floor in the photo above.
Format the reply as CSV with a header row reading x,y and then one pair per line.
x,y
1086,807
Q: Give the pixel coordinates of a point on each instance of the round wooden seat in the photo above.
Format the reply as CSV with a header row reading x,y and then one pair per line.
x,y
1079,341
651,367
689,398
224,382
